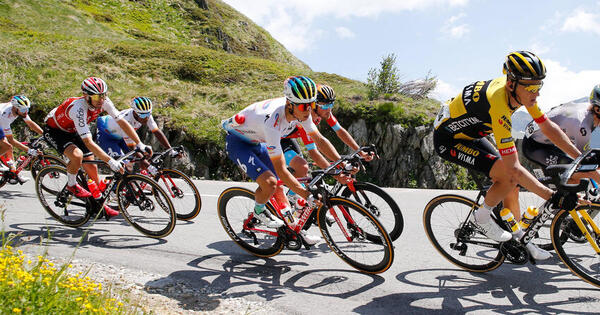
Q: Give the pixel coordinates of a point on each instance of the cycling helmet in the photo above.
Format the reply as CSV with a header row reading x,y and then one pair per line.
x,y
595,96
141,105
524,65
325,94
94,86
20,102
300,89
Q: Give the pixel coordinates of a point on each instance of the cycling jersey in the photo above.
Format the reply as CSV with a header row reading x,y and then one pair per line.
x,y
482,109
265,122
109,127
574,118
7,118
74,115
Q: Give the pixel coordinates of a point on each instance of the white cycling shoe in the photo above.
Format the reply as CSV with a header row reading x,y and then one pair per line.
x,y
309,238
537,253
268,220
492,230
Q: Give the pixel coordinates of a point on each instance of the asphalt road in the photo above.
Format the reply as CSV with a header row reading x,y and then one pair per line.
x,y
303,282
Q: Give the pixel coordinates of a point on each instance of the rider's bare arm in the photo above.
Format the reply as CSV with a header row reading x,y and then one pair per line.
x,y
325,146
161,138
318,158
16,144
514,168
559,138
98,152
129,131
35,127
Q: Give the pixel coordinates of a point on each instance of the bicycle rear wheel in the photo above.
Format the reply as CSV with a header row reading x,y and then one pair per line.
x,y
145,205
348,237
184,194
380,204
234,206
42,161
462,244
57,201
579,256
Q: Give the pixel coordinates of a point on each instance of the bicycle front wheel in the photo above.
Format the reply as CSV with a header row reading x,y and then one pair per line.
x,y
184,194
380,204
577,252
234,206
42,161
350,235
459,241
145,205
57,201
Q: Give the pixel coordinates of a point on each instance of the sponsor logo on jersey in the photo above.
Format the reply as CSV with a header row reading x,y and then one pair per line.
x,y
276,120
491,156
508,151
505,122
466,158
506,140
471,92
463,148
81,117
583,131
483,133
442,149
453,152
463,123
271,148
551,159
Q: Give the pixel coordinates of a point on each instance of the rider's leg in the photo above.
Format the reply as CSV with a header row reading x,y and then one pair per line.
x,y
512,202
91,169
267,184
75,156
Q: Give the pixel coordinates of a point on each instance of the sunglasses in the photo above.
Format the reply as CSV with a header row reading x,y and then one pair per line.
x,y
304,106
325,106
97,97
144,115
23,111
533,88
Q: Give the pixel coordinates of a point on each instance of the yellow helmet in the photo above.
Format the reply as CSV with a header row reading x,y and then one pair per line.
x,y
524,65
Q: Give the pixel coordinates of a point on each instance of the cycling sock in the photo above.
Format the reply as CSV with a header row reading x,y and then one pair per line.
x,y
71,179
518,234
259,208
483,214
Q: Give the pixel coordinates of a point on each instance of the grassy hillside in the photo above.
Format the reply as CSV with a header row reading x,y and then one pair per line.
x,y
200,61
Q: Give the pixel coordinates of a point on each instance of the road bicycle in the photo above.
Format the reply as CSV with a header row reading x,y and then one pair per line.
x,y
184,194
446,219
149,211
356,236
36,162
371,196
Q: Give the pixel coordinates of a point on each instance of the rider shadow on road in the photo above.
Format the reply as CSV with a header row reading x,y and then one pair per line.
x,y
57,234
522,289
15,194
235,274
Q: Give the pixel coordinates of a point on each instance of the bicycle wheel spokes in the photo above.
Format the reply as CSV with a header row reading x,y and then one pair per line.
x,y
349,235
234,206
577,254
146,206
184,194
60,204
444,219
45,160
380,204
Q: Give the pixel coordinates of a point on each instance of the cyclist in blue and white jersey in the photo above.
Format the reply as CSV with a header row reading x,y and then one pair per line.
x,y
253,142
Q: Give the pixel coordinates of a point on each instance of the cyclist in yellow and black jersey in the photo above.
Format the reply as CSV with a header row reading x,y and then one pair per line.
x,y
484,108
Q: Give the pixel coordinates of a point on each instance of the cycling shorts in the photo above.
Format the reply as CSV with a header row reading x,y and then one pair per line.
x,y
477,154
544,154
252,158
290,149
2,136
115,148
61,140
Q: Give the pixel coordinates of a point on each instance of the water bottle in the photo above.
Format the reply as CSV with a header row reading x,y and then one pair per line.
x,y
93,187
508,217
528,217
287,215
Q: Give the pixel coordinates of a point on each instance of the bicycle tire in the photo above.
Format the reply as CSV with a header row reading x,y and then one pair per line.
x,y
3,179
233,207
377,256
579,257
385,209
37,166
139,205
186,209
443,226
48,187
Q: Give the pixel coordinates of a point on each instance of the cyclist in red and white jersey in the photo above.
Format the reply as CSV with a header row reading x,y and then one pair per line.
x,y
18,106
67,128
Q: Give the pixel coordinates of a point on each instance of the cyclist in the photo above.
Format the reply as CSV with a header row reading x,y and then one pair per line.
x,y
578,119
485,107
68,131
253,142
322,111
114,141
18,106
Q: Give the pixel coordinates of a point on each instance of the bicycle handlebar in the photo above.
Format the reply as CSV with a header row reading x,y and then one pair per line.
x,y
561,173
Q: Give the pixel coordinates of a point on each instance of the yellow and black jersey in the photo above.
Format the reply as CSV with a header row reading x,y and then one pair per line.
x,y
482,109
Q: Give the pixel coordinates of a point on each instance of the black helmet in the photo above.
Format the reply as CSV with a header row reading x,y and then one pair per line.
x,y
595,96
325,94
524,65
